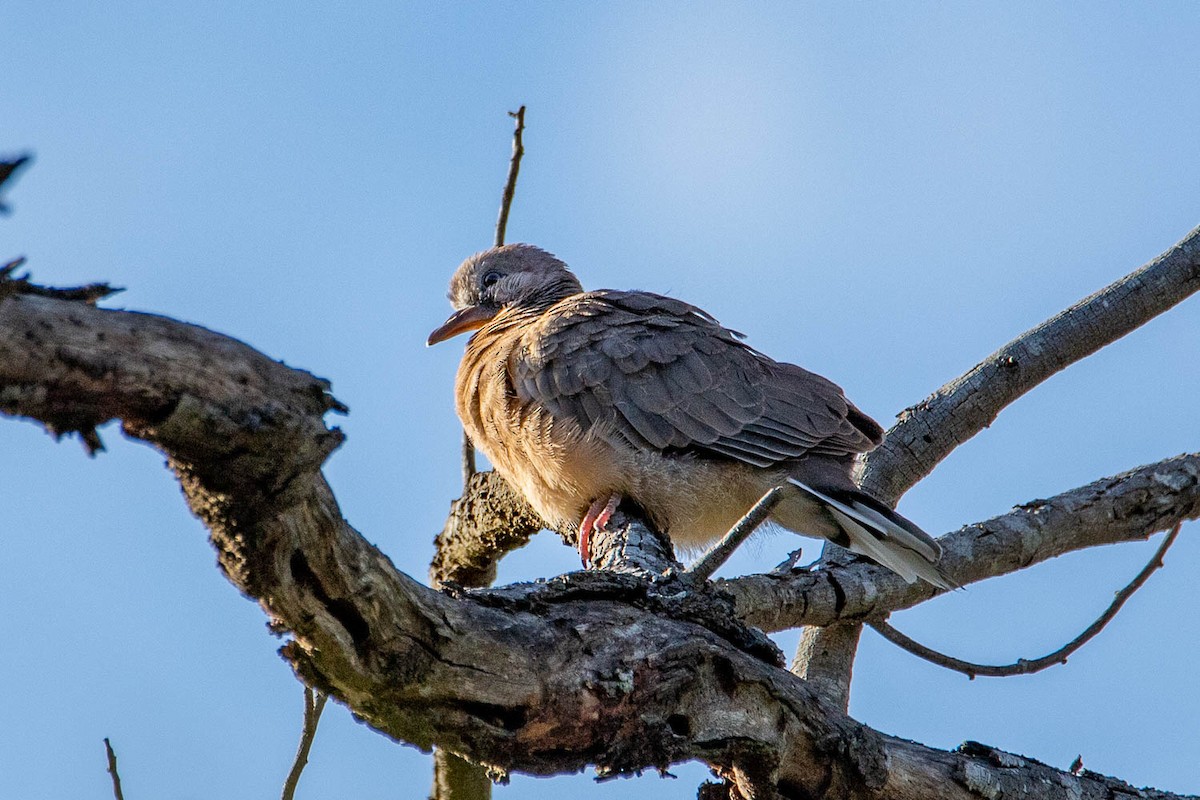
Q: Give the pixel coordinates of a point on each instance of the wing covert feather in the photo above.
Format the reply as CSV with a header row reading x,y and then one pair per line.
x,y
648,371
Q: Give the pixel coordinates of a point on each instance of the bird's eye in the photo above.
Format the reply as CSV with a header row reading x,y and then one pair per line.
x,y
490,278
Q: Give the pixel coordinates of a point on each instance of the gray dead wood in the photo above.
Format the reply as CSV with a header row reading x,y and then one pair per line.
x,y
928,432
626,669
1128,507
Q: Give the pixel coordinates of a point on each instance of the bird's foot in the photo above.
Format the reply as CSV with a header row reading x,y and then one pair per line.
x,y
596,519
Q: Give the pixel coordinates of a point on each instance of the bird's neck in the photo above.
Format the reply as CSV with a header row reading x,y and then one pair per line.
x,y
529,309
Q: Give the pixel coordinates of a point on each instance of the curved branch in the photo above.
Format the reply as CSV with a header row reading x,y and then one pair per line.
x,y
929,431
1028,666
1127,507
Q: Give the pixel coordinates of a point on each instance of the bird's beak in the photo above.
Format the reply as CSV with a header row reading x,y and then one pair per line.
x,y
468,319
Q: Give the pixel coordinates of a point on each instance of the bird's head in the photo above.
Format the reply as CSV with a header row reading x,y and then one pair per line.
x,y
513,275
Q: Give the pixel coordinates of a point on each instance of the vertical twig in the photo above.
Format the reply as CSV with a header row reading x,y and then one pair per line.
x,y
468,460
510,188
455,778
514,167
314,704
112,770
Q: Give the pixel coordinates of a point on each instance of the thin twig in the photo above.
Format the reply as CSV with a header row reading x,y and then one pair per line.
x,y
112,770
314,704
510,188
468,460
8,168
466,779
1029,666
711,561
514,167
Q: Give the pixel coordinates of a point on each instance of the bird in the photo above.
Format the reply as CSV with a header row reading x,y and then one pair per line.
x,y
585,400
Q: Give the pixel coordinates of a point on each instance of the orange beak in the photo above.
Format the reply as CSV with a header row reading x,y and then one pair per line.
x,y
468,319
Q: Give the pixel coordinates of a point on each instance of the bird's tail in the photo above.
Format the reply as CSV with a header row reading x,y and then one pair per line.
x,y
879,533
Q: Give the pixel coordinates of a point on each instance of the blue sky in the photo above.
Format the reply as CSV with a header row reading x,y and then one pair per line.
x,y
882,193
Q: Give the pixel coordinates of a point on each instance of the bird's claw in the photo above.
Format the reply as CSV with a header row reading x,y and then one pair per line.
x,y
596,519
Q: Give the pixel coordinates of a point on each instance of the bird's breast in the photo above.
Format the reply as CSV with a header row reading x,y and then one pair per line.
x,y
560,468
556,465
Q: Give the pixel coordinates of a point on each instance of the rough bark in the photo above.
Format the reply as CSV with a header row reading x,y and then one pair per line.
x,y
630,668
489,521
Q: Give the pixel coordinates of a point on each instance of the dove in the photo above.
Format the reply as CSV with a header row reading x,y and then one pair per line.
x,y
587,400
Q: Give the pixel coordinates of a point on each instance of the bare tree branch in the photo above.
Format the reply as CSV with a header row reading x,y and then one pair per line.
x,y
486,523
1028,666
11,283
112,770
514,167
630,668
472,561
314,704
711,561
825,658
455,778
9,167
929,431
1128,507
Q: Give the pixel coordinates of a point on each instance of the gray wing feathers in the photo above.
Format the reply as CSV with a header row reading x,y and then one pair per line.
x,y
656,373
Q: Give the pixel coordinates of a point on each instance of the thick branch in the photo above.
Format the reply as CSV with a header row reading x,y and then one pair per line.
x,y
489,521
455,778
1127,507
617,669
247,422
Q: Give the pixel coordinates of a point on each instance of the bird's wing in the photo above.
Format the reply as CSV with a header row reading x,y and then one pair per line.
x,y
647,371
